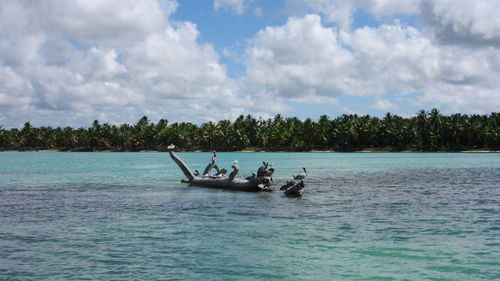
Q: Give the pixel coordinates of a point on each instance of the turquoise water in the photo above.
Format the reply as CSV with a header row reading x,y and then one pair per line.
x,y
364,216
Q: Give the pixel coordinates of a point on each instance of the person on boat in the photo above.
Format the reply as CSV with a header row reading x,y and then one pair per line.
x,y
236,169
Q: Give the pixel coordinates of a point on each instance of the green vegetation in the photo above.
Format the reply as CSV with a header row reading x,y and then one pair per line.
x,y
427,131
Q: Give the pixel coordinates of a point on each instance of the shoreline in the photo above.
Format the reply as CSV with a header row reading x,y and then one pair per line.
x,y
246,150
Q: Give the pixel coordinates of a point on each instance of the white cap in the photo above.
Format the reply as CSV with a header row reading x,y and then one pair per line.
x,y
235,162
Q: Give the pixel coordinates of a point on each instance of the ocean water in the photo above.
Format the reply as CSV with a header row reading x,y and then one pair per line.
x,y
364,216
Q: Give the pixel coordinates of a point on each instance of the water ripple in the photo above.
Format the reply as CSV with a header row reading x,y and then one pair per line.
x,y
411,221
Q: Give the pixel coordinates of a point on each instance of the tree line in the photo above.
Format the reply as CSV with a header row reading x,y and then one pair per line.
x,y
426,131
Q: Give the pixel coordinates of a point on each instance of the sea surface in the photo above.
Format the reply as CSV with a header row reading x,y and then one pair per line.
x,y
363,216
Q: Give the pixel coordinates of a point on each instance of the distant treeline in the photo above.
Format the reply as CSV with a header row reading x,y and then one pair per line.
x,y
426,131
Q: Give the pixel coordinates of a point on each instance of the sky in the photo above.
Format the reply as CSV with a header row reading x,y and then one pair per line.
x,y
67,63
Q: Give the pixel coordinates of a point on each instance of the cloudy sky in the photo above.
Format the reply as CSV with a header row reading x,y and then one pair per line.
x,y
70,62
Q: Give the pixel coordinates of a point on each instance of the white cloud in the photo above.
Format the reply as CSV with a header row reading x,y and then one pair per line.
x,y
384,105
298,59
68,63
478,18
304,58
455,21
341,11
469,23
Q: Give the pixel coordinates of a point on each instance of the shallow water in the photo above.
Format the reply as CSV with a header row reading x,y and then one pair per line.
x,y
115,216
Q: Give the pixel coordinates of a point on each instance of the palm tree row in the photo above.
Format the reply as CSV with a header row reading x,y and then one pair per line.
x,y
426,131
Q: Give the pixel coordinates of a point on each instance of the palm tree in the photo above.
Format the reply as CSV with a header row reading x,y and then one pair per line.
x,y
425,131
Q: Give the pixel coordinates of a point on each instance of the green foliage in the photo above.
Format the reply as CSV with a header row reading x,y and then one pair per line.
x,y
426,131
